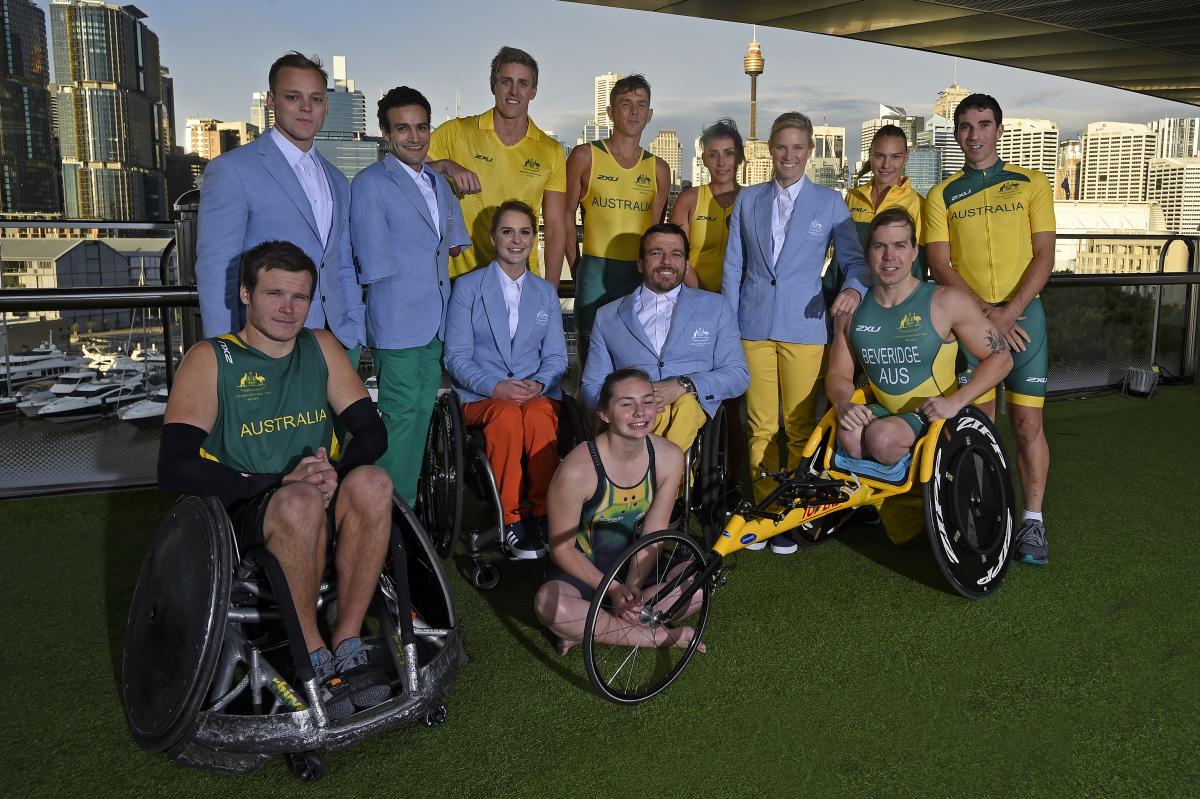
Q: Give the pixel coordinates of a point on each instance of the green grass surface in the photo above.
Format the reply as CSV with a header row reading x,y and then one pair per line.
x,y
846,670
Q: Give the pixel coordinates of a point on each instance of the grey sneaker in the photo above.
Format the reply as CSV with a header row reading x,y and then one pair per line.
x,y
1031,543
368,682
335,691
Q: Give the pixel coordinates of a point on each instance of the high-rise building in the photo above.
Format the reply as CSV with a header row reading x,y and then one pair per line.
x,y
1178,137
1174,183
593,131
1115,158
1031,143
347,107
352,153
924,168
167,92
261,117
948,99
110,111
889,115
828,166
758,166
1066,170
1083,255
700,175
667,147
603,85
184,173
939,134
28,164
208,137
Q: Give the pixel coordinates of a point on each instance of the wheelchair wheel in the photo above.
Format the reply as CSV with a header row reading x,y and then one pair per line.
x,y
440,489
714,476
177,623
970,505
623,665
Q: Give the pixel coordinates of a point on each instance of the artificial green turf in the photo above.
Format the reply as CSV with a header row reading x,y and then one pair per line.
x,y
845,670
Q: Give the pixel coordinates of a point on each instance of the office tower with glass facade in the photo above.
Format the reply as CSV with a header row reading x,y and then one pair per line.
x,y
261,117
1115,158
110,111
667,147
28,163
1066,170
1031,143
1178,137
700,175
939,134
343,139
167,91
924,168
828,165
1174,183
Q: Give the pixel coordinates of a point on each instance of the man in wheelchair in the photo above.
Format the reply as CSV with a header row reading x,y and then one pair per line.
x,y
250,420
905,336
686,339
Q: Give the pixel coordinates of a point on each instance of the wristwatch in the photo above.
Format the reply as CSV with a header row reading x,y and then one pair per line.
x,y
686,384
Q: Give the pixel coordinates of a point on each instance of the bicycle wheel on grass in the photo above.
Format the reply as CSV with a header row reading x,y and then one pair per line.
x,y
622,658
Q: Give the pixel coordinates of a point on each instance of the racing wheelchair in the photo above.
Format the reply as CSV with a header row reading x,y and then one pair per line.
x,y
959,467
708,491
456,455
215,672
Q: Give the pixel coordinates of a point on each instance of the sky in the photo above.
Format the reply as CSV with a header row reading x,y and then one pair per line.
x,y
219,52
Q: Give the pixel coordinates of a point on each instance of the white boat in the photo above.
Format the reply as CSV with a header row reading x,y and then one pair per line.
x,y
147,412
372,384
47,360
66,385
99,398
153,357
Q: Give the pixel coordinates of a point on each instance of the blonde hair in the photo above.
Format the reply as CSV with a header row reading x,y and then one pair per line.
x,y
791,119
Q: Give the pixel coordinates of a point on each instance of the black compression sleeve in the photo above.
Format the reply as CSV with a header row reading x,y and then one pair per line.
x,y
368,436
182,470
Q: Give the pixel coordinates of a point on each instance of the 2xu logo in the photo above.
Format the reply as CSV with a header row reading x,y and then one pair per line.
x,y
606,177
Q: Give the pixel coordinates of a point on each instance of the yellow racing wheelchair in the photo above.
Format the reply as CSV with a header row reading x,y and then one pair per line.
x,y
958,470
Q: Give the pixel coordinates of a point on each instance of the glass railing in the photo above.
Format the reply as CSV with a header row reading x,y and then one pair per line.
x,y
1100,325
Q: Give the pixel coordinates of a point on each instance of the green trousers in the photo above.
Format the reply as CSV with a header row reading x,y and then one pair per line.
x,y
408,383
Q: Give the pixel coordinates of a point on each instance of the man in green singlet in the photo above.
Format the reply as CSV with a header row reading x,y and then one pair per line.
x,y
905,334
250,421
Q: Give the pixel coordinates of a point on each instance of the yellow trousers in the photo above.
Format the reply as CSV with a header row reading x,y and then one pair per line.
x,y
791,372
680,421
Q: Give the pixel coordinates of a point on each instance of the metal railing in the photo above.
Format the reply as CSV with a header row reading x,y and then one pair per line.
x,y
1151,317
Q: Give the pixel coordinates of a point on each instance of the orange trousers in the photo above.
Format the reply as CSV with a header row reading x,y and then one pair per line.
x,y
513,431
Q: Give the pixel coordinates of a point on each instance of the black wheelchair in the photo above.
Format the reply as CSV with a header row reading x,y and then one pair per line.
x,y
709,490
215,672
456,455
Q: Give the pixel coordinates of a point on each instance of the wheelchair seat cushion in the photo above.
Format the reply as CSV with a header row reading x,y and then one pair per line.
x,y
864,467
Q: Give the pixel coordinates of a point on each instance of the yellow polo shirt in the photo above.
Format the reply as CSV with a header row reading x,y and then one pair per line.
x,y
522,172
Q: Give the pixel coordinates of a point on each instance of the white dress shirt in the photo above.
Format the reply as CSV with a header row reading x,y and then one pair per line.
x,y
512,296
424,182
312,179
654,311
781,213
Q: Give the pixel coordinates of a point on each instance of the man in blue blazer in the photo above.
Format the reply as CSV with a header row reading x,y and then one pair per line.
x,y
279,188
405,224
506,351
684,338
779,234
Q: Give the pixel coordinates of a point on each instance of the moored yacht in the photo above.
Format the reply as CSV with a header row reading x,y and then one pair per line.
x,y
147,412
99,398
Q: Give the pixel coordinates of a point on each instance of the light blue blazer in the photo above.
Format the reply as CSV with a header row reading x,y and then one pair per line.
x,y
703,344
479,353
251,195
783,301
402,258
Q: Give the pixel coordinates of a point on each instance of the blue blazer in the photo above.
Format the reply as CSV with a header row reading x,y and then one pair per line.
x,y
251,195
703,344
402,258
479,353
783,301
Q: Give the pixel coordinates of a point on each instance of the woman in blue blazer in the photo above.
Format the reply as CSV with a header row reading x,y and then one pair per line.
x,y
779,236
506,351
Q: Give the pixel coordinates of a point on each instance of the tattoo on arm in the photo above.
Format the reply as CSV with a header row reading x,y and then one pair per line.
x,y
996,343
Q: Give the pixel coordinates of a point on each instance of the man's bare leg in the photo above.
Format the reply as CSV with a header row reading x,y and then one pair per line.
x,y
364,521
1033,453
294,532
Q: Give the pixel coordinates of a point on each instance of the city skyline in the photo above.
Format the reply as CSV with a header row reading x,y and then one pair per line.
x,y
690,88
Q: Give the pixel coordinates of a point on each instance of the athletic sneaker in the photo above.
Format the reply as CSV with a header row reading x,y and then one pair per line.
x,y
1031,543
335,690
784,544
368,683
523,544
757,546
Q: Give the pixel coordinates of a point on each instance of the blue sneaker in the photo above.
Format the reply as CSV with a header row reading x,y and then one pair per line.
x,y
1031,543
523,544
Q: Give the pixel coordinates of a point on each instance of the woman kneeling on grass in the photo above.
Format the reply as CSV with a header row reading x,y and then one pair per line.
x,y
602,493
